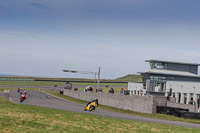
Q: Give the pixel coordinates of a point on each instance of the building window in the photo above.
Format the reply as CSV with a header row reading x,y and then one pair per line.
x,y
157,78
156,86
157,65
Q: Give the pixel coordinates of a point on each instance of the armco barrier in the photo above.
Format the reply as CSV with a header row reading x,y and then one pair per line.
x,y
16,79
144,104
181,105
190,115
178,112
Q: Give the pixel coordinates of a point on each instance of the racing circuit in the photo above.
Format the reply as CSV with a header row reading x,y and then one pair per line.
x,y
39,98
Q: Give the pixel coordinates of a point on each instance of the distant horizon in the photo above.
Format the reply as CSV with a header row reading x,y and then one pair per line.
x,y
10,75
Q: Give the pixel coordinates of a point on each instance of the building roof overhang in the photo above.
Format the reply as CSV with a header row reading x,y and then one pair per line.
x,y
172,61
169,72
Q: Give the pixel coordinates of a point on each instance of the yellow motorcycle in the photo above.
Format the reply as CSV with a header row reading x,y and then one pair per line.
x,y
91,105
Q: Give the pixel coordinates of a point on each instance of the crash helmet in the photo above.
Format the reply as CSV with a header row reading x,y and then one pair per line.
x,y
25,92
96,99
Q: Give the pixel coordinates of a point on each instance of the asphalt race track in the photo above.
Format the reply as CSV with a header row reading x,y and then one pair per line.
x,y
38,98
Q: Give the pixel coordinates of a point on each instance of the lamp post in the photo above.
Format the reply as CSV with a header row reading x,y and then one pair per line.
x,y
86,72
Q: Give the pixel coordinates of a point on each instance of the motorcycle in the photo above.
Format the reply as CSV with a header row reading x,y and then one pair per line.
x,y
23,97
18,90
91,106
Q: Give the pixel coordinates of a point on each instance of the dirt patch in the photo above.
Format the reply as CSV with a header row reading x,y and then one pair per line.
x,y
57,115
6,130
156,130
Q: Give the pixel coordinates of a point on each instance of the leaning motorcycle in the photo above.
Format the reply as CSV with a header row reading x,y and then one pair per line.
x,y
23,97
90,106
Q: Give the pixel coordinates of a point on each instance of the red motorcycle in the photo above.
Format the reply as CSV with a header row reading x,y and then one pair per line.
x,y
23,97
18,90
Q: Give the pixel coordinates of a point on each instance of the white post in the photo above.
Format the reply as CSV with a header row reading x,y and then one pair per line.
x,y
176,96
188,98
182,97
195,100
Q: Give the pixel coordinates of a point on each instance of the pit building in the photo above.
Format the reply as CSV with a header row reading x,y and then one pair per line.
x,y
169,78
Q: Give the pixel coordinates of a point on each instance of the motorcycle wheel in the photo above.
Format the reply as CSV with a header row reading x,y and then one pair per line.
x,y
91,108
22,100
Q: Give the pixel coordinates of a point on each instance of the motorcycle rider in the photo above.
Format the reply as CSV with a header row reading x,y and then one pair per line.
x,y
18,90
21,91
96,101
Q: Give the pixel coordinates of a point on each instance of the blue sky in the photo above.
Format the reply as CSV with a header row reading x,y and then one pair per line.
x,y
43,37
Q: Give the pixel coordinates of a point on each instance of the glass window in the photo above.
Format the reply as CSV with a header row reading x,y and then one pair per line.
x,y
157,86
157,78
152,65
157,65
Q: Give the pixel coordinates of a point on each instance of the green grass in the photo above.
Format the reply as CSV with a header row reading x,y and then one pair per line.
x,y
32,119
74,84
30,83
157,116
130,78
8,88
47,83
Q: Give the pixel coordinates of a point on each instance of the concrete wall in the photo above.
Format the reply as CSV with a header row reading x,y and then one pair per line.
x,y
143,104
186,87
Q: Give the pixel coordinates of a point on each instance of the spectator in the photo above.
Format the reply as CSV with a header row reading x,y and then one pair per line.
x,y
141,92
192,102
121,90
75,89
99,90
111,90
87,88
126,92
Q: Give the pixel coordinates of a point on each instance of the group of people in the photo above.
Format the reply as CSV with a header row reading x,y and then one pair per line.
x,y
111,90
125,92
88,88
23,94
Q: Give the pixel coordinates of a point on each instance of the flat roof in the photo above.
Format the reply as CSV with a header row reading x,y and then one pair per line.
x,y
169,72
172,61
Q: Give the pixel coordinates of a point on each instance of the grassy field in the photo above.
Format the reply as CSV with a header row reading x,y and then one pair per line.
x,y
74,84
47,83
28,119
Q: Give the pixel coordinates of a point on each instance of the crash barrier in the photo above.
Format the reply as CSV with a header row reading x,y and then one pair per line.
x,y
178,112
190,107
16,79
143,104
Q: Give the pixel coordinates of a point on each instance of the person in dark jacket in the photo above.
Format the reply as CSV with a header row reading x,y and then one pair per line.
x,y
111,90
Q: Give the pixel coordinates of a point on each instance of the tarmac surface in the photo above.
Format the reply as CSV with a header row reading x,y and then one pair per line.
x,y
38,98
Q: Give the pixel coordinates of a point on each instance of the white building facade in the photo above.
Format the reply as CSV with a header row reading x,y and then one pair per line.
x,y
170,78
